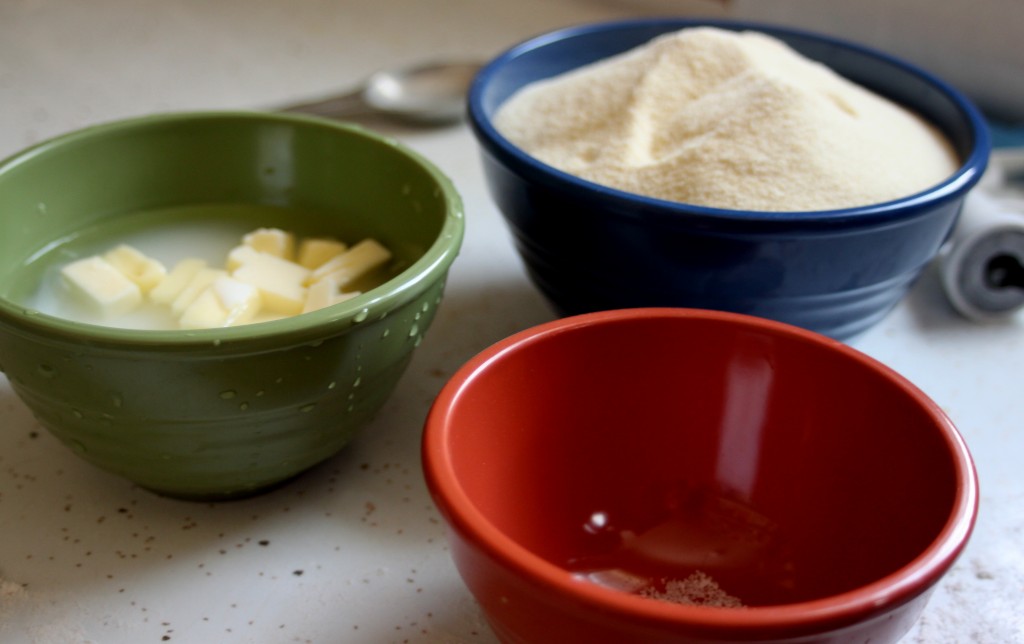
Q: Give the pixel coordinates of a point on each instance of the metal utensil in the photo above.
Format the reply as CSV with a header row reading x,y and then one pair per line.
x,y
430,93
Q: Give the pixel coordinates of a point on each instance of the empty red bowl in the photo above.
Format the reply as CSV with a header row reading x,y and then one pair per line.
x,y
672,475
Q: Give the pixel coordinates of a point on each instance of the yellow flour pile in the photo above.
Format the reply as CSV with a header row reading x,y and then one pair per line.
x,y
729,120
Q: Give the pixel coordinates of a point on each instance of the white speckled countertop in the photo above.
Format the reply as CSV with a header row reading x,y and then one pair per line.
x,y
354,551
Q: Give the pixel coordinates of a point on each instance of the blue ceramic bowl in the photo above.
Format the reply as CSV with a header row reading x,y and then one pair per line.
x,y
837,272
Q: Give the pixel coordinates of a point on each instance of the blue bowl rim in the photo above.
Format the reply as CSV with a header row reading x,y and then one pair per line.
x,y
954,187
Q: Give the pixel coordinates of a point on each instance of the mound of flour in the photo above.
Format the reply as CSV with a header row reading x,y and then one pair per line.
x,y
729,120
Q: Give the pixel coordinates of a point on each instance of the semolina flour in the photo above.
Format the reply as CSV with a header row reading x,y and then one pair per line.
x,y
729,120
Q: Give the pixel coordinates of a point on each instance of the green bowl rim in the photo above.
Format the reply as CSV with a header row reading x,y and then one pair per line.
x,y
433,264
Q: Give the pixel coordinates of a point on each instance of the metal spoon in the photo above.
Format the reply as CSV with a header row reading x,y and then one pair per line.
x,y
430,93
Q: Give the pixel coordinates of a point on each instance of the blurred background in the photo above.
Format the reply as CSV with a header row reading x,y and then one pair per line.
x,y
974,45
65,63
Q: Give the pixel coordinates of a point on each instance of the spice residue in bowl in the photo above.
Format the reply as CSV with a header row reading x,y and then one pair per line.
x,y
693,546
696,589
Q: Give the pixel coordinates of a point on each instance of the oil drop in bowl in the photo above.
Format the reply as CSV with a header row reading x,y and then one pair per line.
x,y
679,475
219,413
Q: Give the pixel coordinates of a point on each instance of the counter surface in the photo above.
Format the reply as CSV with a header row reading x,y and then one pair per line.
x,y
354,551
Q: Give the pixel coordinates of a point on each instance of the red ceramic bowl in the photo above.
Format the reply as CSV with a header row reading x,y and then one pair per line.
x,y
672,475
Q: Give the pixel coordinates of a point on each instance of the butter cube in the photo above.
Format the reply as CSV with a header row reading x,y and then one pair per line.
x,y
357,261
240,255
225,302
144,271
205,312
281,283
325,293
241,300
273,241
315,252
168,289
97,284
202,279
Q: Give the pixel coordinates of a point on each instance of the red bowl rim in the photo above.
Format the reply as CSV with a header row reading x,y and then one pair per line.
x,y
878,597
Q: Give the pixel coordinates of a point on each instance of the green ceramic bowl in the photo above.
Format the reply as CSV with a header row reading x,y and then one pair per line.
x,y
220,413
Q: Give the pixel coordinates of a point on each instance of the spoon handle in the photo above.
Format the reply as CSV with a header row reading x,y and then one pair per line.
x,y
333,106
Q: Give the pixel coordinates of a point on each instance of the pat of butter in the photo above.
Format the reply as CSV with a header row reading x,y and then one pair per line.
x,y
199,282
225,302
97,284
324,293
357,261
168,289
240,255
273,241
281,283
314,252
144,271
